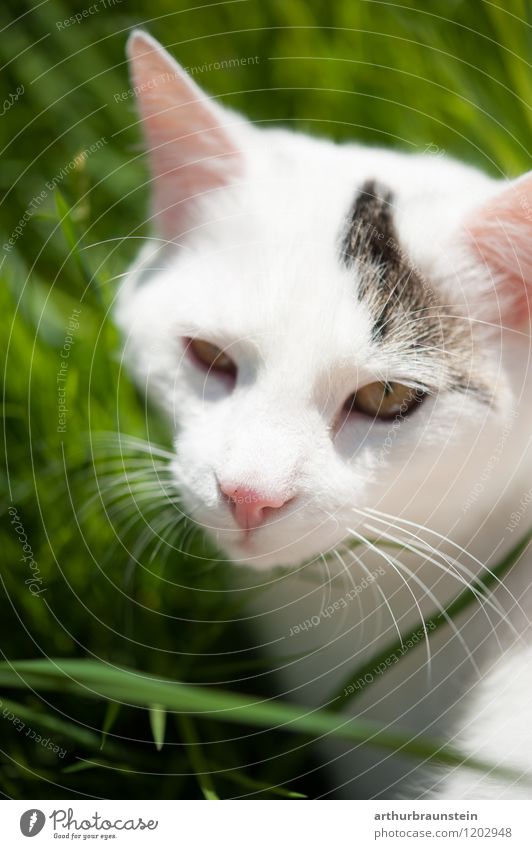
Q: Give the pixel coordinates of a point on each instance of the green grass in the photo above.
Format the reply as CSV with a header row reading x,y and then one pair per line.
x,y
451,76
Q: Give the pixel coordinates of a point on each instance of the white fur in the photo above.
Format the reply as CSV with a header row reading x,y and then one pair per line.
x,y
258,273
496,728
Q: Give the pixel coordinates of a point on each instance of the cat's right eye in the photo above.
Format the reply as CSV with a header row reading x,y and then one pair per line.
x,y
210,357
384,400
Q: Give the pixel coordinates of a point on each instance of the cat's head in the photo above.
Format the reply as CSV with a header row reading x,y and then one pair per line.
x,y
321,322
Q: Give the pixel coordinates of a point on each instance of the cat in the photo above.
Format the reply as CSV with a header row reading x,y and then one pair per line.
x,y
339,336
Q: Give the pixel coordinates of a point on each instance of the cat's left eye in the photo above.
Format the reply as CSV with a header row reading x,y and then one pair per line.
x,y
384,399
211,357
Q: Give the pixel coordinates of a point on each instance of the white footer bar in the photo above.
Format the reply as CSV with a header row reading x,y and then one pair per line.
x,y
266,824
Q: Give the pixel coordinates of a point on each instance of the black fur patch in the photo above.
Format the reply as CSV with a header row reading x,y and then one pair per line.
x,y
408,316
371,235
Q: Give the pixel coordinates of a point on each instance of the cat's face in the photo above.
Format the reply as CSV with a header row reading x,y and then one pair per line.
x,y
307,319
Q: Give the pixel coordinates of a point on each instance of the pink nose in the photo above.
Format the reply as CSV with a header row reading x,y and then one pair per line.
x,y
248,506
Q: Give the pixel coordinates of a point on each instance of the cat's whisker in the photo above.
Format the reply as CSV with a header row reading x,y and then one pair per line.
x,y
422,549
114,459
122,448
129,237
483,600
121,465
362,618
374,588
389,560
108,478
144,508
155,529
106,481
178,526
117,503
173,527
327,586
136,483
346,570
186,540
170,521
377,588
454,628
382,594
364,541
111,490
346,574
121,531
452,543
175,499
119,441
429,592
425,549
347,577
117,493
142,542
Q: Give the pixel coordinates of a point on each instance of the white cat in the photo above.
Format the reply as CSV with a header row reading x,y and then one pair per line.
x,y
340,336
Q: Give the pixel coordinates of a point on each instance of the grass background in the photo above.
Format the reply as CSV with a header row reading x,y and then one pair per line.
x,y
452,76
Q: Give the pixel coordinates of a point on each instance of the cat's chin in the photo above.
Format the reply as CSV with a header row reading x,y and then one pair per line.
x,y
252,552
251,557
239,556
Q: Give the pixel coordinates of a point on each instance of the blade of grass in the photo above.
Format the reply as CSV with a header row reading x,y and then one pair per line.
x,y
73,240
237,777
196,758
52,724
94,679
111,714
84,765
158,724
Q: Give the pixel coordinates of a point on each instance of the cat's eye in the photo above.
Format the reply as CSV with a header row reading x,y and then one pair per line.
x,y
211,357
384,400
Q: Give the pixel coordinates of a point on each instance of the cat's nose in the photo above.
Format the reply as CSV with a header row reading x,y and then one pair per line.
x,y
249,507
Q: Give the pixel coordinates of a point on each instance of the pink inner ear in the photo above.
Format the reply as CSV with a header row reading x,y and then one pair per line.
x,y
190,151
501,234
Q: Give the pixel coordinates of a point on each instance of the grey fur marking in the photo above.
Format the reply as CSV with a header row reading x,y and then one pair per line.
x,y
407,314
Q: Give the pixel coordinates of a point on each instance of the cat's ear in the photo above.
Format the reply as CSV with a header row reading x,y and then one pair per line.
x,y
500,234
188,135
